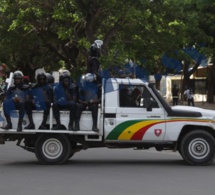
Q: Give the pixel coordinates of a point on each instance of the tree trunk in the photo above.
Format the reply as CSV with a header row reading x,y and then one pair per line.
x,y
186,80
185,85
211,84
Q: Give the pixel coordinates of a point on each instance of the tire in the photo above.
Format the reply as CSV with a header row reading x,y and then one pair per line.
x,y
198,148
52,149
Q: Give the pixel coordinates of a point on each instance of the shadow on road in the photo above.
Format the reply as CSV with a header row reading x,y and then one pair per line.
x,y
92,163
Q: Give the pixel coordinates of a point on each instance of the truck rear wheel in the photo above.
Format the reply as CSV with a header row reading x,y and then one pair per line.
x,y
198,148
52,149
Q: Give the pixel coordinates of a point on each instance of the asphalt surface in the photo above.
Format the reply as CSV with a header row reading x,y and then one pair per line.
x,y
103,172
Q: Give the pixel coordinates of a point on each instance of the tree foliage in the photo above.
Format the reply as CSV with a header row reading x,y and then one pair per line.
x,y
51,33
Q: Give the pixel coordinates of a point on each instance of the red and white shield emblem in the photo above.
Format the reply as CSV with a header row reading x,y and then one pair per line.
x,y
158,132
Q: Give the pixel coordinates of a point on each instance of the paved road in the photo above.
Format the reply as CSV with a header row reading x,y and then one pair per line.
x,y
103,172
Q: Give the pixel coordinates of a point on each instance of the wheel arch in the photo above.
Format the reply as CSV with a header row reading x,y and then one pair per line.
x,y
188,128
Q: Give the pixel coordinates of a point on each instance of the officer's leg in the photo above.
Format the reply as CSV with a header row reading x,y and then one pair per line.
x,y
188,102
173,101
45,115
56,112
7,107
193,102
21,107
94,110
29,108
176,101
79,109
72,109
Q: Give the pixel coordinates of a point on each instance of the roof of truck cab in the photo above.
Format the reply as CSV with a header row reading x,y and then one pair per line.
x,y
127,81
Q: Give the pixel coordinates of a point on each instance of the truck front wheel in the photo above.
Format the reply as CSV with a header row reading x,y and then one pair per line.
x,y
52,149
198,148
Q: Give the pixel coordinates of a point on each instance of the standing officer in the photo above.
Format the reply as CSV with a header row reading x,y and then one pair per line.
x,y
15,100
65,97
175,95
189,95
89,96
40,97
93,60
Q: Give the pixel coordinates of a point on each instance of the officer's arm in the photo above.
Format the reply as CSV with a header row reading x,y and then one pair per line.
x,y
8,94
83,102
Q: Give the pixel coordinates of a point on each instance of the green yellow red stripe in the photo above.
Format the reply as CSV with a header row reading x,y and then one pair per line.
x,y
135,129
140,133
130,131
115,133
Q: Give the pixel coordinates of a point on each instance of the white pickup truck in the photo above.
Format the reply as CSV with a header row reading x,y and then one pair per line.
x,y
132,114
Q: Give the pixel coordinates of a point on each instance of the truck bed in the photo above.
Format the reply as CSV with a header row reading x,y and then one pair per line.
x,y
85,124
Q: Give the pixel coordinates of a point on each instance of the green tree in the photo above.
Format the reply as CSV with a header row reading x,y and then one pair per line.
x,y
206,22
45,33
139,29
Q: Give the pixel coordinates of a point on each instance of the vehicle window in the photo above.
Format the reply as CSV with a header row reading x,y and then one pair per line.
x,y
135,96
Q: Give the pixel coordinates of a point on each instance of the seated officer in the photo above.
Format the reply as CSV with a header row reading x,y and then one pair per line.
x,y
50,79
136,96
64,98
40,97
89,95
15,100
125,98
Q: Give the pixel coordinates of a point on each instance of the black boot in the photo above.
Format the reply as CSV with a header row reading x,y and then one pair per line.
x,y
94,128
30,126
19,126
31,123
70,127
58,126
9,124
77,127
43,124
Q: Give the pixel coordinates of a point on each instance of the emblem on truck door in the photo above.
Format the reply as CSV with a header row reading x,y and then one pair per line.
x,y
158,132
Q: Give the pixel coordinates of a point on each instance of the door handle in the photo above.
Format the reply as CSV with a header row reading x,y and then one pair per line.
x,y
124,115
153,116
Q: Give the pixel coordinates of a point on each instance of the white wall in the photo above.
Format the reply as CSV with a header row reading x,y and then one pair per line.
x,y
166,87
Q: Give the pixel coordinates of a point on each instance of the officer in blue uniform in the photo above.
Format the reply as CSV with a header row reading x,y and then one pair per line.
x,y
89,96
65,97
40,98
50,79
15,100
93,64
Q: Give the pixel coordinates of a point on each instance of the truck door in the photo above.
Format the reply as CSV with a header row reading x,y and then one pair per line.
x,y
136,121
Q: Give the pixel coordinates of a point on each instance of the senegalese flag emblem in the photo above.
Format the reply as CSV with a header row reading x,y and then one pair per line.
x,y
132,130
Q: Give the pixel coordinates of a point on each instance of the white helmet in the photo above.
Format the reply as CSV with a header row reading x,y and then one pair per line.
x,y
89,77
18,74
98,43
65,72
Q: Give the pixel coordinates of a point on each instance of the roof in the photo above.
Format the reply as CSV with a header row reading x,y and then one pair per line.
x,y
127,81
